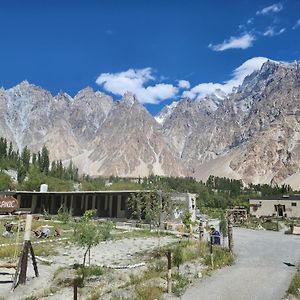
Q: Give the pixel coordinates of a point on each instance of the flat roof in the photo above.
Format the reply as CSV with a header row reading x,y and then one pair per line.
x,y
74,192
278,197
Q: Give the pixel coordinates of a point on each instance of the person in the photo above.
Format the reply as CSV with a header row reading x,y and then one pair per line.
x,y
216,239
57,232
45,232
8,229
42,231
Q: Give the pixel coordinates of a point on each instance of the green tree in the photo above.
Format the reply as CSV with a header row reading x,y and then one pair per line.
x,y
223,227
34,159
25,158
10,151
187,220
86,233
34,180
45,160
5,182
21,173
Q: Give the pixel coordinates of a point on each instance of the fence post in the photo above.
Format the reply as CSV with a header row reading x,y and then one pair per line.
x,y
200,231
211,251
169,257
230,237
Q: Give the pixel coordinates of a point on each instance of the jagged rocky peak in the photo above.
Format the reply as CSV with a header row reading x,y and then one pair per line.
x,y
23,84
211,102
129,99
268,68
84,94
165,112
63,96
87,97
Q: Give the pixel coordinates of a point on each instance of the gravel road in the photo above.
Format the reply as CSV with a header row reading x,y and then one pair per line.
x,y
259,272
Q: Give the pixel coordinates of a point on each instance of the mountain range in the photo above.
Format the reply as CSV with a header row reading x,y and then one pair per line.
x,y
252,133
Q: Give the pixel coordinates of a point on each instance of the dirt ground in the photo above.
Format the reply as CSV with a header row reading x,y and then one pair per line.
x,y
126,251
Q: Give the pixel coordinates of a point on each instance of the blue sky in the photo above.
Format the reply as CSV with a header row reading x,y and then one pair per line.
x,y
161,50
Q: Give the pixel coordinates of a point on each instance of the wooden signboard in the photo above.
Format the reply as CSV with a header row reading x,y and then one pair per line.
x,y
8,204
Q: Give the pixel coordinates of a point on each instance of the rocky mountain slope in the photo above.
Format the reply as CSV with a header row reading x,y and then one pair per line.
x,y
252,133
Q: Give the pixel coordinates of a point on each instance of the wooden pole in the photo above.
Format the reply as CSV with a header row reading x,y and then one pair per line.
x,y
24,254
34,263
211,251
24,263
230,236
169,257
200,231
75,290
28,228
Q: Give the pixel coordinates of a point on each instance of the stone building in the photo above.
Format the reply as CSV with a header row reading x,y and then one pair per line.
x,y
277,206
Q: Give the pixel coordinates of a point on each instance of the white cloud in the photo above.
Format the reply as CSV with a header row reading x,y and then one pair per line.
x,y
243,42
270,31
184,84
238,75
134,80
275,8
297,24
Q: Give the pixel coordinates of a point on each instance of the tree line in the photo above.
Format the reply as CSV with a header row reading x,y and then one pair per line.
x,y
33,169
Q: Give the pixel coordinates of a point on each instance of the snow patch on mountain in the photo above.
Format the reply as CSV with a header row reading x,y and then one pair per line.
x,y
165,112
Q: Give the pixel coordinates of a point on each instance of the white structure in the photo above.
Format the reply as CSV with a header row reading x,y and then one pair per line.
x,y
189,202
44,188
277,206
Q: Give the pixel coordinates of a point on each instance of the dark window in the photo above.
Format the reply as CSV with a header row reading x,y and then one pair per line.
x,y
123,202
294,204
101,202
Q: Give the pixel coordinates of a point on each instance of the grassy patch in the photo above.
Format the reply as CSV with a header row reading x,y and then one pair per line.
x,y
180,283
294,287
270,226
148,292
90,271
95,294
39,250
221,257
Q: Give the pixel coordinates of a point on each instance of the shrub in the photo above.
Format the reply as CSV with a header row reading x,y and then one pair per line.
x,y
89,271
105,230
148,292
180,284
222,257
64,215
178,256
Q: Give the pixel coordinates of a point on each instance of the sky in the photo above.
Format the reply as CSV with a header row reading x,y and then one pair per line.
x,y
161,50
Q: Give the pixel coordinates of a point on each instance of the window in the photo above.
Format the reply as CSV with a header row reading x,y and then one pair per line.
x,y
294,204
123,203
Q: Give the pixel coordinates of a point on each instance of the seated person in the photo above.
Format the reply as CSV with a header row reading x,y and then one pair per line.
x,y
45,232
37,232
57,232
8,229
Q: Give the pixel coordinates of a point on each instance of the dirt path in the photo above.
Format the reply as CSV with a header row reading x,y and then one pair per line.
x,y
259,272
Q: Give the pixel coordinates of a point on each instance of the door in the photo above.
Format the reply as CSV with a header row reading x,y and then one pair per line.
x,y
114,211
